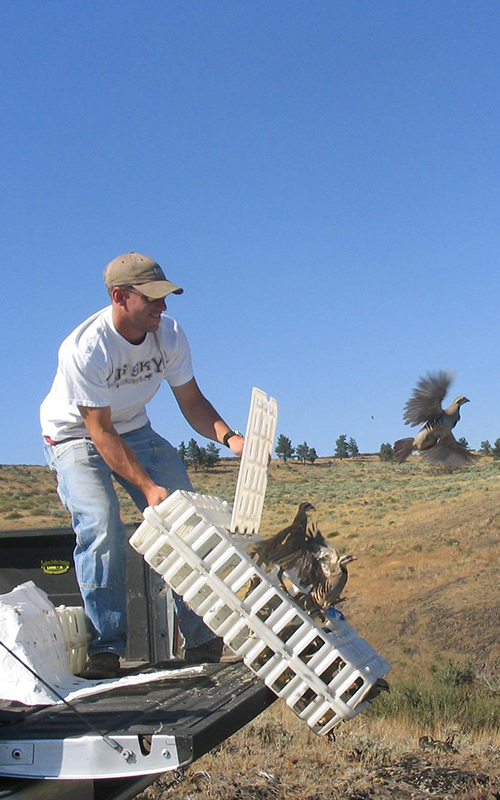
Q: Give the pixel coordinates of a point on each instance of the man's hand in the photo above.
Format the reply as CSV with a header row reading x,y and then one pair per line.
x,y
236,444
156,495
118,455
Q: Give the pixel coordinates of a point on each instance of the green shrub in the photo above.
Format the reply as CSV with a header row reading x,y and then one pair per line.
x,y
450,695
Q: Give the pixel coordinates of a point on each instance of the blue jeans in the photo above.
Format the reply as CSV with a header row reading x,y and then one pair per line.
x,y
85,486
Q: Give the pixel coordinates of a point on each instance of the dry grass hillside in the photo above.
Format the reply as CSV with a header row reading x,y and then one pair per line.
x,y
425,592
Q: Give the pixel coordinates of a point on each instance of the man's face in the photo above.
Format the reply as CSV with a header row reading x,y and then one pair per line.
x,y
140,314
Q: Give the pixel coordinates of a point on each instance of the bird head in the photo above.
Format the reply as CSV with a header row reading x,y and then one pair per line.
x,y
302,512
345,560
459,401
380,685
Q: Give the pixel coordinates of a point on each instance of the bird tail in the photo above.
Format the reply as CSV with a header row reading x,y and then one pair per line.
x,y
402,449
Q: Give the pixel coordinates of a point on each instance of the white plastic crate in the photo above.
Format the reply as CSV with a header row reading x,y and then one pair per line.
x,y
257,451
322,674
76,635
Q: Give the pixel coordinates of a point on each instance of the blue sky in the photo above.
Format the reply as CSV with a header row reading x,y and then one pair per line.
x,y
322,177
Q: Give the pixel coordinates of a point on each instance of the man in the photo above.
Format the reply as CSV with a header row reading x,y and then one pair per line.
x,y
95,427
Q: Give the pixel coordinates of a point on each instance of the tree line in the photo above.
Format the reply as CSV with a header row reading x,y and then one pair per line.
x,y
193,455
199,457
488,449
348,448
285,450
344,448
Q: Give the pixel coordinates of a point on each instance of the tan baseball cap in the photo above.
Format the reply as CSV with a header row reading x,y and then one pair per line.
x,y
141,272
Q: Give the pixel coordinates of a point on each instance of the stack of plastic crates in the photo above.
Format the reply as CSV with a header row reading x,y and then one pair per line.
x,y
76,635
322,673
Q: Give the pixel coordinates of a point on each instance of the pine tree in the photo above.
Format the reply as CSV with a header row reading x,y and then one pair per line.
x,y
495,450
485,448
352,447
182,452
212,454
193,454
284,449
301,452
312,455
386,452
341,450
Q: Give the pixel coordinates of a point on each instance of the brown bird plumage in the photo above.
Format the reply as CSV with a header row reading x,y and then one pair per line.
x,y
319,566
435,439
279,547
303,548
380,685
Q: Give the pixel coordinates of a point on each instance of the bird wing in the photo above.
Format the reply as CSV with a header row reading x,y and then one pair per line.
x,y
425,402
306,564
448,452
266,551
314,538
269,550
307,557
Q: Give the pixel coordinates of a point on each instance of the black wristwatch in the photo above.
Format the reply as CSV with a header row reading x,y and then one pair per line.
x,y
227,436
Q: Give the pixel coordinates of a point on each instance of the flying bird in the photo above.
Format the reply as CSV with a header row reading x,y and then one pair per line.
x,y
435,439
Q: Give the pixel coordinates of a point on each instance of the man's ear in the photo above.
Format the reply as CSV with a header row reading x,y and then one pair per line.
x,y
118,295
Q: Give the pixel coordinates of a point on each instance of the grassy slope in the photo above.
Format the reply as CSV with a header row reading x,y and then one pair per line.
x,y
425,588
426,583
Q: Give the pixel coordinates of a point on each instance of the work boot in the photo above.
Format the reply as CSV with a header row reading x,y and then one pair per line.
x,y
101,665
207,653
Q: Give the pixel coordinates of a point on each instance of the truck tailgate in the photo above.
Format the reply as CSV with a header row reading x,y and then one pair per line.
x,y
164,724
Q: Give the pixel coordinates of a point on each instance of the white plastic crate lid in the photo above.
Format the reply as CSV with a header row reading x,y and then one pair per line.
x,y
252,475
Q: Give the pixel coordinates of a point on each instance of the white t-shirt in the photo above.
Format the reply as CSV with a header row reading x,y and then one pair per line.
x,y
97,368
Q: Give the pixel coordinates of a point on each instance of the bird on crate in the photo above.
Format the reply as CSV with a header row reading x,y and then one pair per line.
x,y
319,566
303,548
435,439
278,547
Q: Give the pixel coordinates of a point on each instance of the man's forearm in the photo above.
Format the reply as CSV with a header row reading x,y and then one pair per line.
x,y
118,455
203,417
205,420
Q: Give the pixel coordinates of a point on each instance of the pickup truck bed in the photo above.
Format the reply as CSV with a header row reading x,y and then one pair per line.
x,y
171,722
